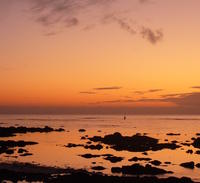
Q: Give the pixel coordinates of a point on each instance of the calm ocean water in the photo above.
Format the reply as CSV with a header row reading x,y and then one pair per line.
x,y
52,152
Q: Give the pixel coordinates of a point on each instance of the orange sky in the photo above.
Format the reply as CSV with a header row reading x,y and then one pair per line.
x,y
99,53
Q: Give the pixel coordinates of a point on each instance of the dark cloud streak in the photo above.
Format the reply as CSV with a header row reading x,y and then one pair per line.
x,y
151,36
69,13
108,88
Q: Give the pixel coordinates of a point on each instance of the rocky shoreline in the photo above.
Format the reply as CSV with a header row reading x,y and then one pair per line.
x,y
31,173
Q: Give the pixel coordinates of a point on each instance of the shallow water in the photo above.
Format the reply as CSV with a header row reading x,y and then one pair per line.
x,y
51,150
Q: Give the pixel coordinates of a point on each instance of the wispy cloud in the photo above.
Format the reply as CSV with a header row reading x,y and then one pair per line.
x,y
154,90
108,88
122,22
195,87
148,91
70,13
152,36
144,1
114,101
191,100
88,92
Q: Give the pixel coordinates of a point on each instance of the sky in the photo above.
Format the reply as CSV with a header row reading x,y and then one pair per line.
x,y
100,56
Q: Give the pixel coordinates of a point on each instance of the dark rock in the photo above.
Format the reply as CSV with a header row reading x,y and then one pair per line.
x,y
197,152
137,169
196,142
108,155
70,145
12,131
35,173
167,162
82,130
5,146
139,159
198,165
188,165
94,147
98,168
26,154
9,151
20,150
116,170
155,162
136,143
190,151
186,144
88,156
114,159
173,134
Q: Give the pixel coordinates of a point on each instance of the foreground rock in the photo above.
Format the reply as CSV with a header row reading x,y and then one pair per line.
x,y
98,168
12,131
35,173
137,169
135,143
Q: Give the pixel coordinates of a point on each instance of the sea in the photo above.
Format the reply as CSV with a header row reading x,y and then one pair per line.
x,y
51,149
